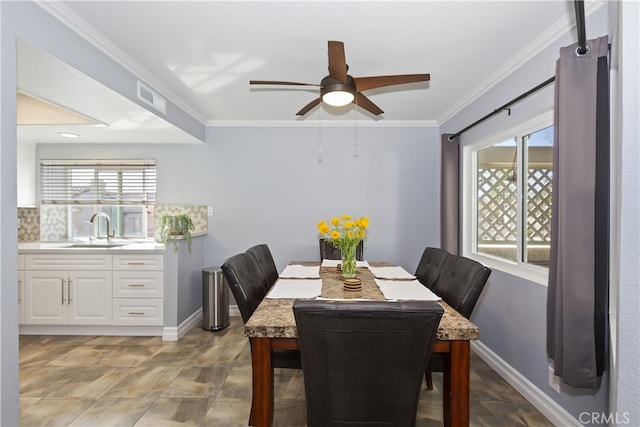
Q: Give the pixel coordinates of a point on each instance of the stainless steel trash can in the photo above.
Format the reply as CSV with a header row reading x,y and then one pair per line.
x,y
215,300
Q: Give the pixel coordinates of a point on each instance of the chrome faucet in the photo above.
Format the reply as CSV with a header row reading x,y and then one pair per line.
x,y
93,219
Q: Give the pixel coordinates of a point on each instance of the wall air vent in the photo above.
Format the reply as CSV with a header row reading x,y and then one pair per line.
x,y
148,96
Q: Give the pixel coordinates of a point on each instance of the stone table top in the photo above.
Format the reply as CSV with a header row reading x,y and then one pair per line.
x,y
274,317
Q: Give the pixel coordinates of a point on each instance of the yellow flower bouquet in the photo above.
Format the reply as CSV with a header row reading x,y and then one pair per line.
x,y
345,233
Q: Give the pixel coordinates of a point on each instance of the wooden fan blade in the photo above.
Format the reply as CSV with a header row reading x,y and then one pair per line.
x,y
364,83
364,102
271,82
308,107
337,61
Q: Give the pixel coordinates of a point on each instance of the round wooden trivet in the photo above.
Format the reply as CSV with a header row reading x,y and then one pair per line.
x,y
352,285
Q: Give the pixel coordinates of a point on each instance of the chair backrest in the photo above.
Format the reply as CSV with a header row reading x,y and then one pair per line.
x,y
243,275
262,255
363,362
431,265
461,282
328,251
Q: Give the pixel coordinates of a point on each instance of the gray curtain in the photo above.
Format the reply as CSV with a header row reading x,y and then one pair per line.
x,y
449,199
578,272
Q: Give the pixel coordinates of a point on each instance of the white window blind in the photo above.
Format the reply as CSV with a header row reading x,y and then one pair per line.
x,y
98,182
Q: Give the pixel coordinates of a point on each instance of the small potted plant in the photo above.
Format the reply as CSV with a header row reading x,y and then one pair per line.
x,y
174,227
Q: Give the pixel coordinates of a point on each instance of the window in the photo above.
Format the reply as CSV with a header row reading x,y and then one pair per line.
x,y
125,190
508,199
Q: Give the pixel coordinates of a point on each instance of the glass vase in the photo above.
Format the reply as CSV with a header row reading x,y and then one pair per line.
x,y
349,262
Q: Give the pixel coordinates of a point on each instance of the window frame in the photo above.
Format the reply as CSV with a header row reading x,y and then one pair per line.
x,y
534,273
120,167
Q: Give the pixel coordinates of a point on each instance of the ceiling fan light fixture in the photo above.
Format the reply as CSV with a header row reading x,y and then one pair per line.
x,y
336,93
338,98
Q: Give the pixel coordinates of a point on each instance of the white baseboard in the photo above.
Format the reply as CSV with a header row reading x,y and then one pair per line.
x,y
543,403
175,333
133,331
233,310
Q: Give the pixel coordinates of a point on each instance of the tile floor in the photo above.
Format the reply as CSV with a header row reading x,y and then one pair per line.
x,y
202,380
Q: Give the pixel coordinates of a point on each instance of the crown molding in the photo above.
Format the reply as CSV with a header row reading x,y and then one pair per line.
x,y
553,33
323,123
67,17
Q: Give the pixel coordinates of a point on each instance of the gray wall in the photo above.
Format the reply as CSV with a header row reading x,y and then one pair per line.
x,y
511,313
269,187
9,399
626,269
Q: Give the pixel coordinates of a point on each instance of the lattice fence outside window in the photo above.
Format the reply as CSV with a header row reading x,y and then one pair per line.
x,y
498,208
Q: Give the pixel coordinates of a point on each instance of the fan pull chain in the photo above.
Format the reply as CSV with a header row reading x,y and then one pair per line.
x,y
320,137
355,142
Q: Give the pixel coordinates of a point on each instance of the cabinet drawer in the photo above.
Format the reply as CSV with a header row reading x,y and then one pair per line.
x,y
67,262
138,262
141,312
138,284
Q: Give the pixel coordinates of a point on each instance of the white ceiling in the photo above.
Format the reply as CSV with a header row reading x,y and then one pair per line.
x,y
202,54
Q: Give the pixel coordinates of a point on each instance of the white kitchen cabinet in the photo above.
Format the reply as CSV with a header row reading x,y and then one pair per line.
x,y
66,289
138,311
138,284
138,289
20,289
68,298
138,262
72,292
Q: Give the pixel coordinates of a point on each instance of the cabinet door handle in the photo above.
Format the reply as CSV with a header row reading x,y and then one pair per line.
x,y
135,285
69,291
135,263
19,285
62,291
138,313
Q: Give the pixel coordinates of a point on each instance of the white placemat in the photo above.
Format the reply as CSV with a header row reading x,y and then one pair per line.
x,y
295,271
391,272
405,290
295,288
335,262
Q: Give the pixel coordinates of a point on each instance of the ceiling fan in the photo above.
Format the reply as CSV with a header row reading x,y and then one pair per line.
x,y
339,88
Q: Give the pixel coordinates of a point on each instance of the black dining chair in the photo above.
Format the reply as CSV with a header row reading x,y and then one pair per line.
x,y
248,287
460,284
430,265
363,361
328,251
245,280
262,254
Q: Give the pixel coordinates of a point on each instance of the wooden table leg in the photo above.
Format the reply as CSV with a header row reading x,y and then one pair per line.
x,y
262,401
455,387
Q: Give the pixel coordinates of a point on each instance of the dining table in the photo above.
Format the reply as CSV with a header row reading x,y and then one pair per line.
x,y
272,327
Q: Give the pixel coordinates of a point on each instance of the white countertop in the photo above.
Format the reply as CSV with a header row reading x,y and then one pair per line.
x,y
97,247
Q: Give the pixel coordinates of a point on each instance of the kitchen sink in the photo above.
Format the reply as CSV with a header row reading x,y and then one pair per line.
x,y
95,245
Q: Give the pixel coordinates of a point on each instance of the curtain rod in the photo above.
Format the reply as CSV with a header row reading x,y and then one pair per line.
x,y
580,27
502,108
580,50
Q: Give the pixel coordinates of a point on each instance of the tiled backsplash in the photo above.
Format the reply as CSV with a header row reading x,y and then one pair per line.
x,y
29,229
49,222
53,222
